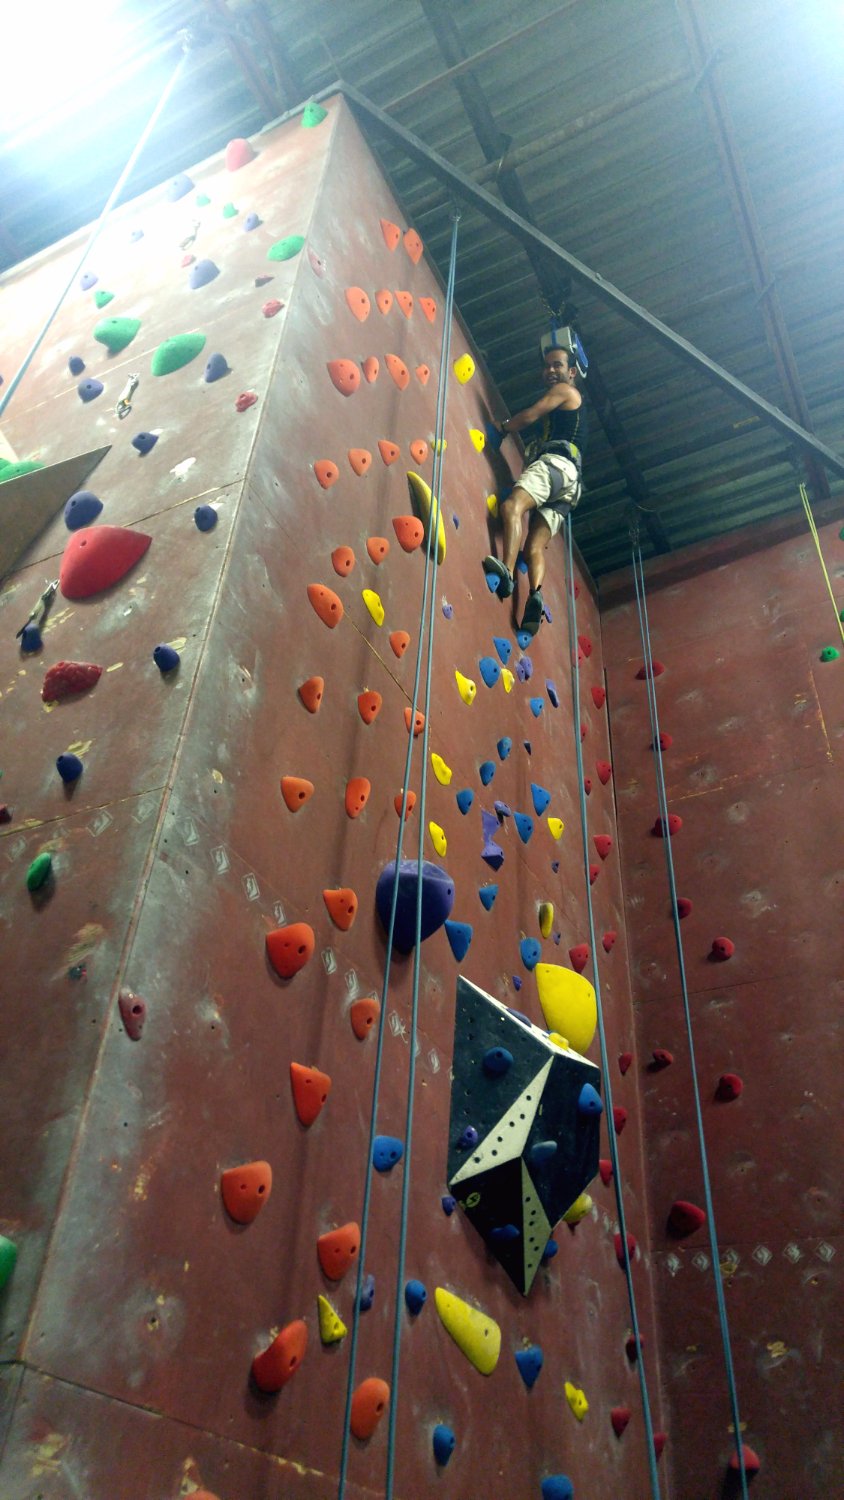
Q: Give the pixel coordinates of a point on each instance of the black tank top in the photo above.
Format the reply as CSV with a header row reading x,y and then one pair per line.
x,y
560,429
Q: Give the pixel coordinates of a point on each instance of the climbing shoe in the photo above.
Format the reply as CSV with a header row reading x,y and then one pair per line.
x,y
499,578
533,613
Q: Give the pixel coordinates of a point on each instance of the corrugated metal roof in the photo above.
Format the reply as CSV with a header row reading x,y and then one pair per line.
x,y
641,198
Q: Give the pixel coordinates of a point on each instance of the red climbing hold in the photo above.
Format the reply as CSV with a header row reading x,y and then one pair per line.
x,y
665,742
419,450
603,844
345,375
133,1010
399,642
620,1416
413,245
605,1170
326,604
398,370
584,730
383,300
603,770
417,721
675,823
429,308
608,940
632,1346
662,1058
358,302
660,1440
238,154
624,1061
409,531
311,693
655,669
370,367
245,400
389,452
729,1087
752,1462
342,906
405,302
337,1250
409,805
594,872
289,948
369,1404
296,791
684,1218
423,374
96,557
587,785
357,795
619,1118
579,957
377,547
272,1369
618,1245
360,460
271,307
684,907
69,677
391,233
364,1015
326,472
599,696
585,644
310,1091
246,1189
722,949
369,706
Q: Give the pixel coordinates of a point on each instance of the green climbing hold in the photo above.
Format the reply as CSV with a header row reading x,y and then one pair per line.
x,y
202,200
14,471
116,333
230,212
829,653
8,1257
39,871
102,298
313,114
176,352
286,249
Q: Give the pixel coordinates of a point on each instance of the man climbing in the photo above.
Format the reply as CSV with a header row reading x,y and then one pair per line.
x,y
550,483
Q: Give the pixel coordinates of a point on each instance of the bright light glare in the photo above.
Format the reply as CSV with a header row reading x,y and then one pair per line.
x,y
54,52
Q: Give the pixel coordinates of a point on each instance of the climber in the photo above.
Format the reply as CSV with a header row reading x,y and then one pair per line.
x,y
550,483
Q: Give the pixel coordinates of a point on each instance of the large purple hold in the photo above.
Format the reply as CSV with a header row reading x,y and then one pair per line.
x,y
87,280
203,271
89,390
215,368
437,900
81,509
76,364
178,187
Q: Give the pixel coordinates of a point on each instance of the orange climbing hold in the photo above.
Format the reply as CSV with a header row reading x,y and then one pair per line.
x,y
389,452
358,302
345,375
357,795
310,1088
364,1015
418,722
399,641
360,459
405,302
337,1250
423,374
413,245
342,906
311,693
369,1404
296,791
383,300
326,604
391,233
429,308
398,370
326,472
289,948
245,1190
369,706
377,547
409,531
751,1460
370,369
419,450
342,561
272,1369
411,803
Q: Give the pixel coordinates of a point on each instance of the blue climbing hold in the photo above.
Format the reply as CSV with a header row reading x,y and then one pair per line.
x,y
89,390
166,658
555,866
488,894
489,670
503,809
76,364
69,767
87,280
455,521
542,1151
387,1151
527,746
524,826
444,1443
549,1252
517,983
178,186
437,900
527,667
524,639
449,1204
492,582
448,610
552,693
536,706
530,1363
503,647
504,746
557,1487
589,1101
367,1293
81,509
519,1014
465,798
215,368
521,565
144,441
486,772
541,798
468,1139
459,936
497,1061
505,1234
531,952
415,1296
205,517
251,221
494,436
30,638
201,272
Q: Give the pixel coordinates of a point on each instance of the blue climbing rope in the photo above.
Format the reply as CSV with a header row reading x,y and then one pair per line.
x,y
602,1036
428,583
662,802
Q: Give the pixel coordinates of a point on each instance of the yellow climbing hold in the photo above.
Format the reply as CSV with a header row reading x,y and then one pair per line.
x,y
374,605
568,1004
465,687
546,917
576,1400
579,1209
464,368
438,839
508,679
556,826
478,439
559,1041
476,1335
442,772
428,509
492,504
331,1326
439,445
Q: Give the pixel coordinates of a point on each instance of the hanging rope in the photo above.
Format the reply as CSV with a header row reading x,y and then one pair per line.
x,y
817,541
427,613
602,1036
662,801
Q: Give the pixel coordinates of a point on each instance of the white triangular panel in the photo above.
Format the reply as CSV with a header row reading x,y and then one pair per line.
x,y
536,1228
507,1138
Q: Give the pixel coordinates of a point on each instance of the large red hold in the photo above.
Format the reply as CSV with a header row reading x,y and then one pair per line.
x,y
69,677
684,1218
675,823
272,1369
96,557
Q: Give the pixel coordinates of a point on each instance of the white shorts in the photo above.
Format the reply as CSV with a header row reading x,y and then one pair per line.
x,y
535,480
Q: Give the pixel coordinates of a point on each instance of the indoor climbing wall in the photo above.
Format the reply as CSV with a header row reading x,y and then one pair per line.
x,y
198,956
751,708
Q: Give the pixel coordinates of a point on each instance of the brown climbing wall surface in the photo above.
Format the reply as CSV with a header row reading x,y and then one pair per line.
x,y
755,772
176,856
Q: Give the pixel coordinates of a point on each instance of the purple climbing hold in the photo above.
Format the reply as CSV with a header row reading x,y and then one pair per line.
x,y
30,638
468,1139
520,669
437,900
547,613
87,280
455,521
527,667
505,1234
517,983
552,693
449,1204
448,609
76,364
201,272
205,517
69,767
166,658
491,852
503,809
215,368
89,390
81,509
519,1014
178,186
252,221
367,1293
555,866
144,441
